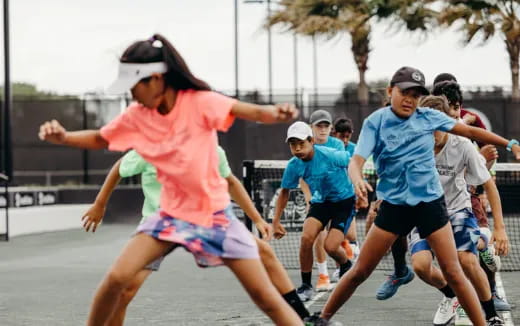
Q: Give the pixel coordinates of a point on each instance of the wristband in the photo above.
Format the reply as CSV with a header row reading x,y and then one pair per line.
x,y
511,143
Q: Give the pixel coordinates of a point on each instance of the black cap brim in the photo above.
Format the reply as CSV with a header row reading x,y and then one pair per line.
x,y
407,85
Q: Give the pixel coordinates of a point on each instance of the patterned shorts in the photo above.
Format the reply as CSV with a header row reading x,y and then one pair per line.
x,y
227,238
465,231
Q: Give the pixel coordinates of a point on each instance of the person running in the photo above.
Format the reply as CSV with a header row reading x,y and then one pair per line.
x,y
321,124
446,84
400,137
343,130
459,164
333,200
173,125
132,164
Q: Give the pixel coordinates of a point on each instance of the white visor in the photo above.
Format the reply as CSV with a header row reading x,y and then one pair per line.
x,y
131,73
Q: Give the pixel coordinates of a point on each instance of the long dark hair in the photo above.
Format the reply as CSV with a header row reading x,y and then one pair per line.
x,y
159,49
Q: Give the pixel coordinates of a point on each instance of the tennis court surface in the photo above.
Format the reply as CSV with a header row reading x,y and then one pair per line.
x,y
49,279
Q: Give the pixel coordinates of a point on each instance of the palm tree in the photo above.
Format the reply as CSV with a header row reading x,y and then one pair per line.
x,y
487,19
331,18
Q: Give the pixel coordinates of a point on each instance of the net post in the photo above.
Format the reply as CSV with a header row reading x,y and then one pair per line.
x,y
5,179
248,167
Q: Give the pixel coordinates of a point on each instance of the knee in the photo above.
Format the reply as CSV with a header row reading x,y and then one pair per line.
x,y
421,269
358,275
266,251
453,274
307,241
331,248
468,261
118,279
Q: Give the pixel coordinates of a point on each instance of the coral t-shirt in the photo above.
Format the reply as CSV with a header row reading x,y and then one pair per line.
x,y
182,146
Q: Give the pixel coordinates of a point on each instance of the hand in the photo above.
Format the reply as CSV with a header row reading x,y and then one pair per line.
x,y
516,152
279,230
265,229
489,152
501,241
52,132
469,119
281,113
361,188
361,203
92,218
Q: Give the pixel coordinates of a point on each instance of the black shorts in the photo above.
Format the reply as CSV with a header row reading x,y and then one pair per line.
x,y
339,214
401,219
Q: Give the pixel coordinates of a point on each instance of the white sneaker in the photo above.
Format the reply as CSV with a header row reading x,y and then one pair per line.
x,y
335,276
461,318
356,250
446,311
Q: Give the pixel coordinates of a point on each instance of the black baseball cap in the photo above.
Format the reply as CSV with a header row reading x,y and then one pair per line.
x,y
408,77
320,116
445,76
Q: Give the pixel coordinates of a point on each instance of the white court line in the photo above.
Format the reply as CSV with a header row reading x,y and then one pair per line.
x,y
506,315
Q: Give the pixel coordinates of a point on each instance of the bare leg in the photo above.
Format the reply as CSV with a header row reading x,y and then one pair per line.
x,y
376,245
352,232
274,268
475,274
254,279
423,267
140,251
334,248
128,294
319,247
443,245
311,229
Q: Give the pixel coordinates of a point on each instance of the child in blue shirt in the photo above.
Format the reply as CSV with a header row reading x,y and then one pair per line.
x,y
323,169
400,138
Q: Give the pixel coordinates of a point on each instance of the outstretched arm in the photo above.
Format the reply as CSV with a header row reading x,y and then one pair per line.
x,y
281,203
265,113
355,172
53,132
499,227
96,212
484,136
239,195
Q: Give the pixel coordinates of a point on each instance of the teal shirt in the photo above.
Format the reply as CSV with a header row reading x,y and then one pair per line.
x,y
133,164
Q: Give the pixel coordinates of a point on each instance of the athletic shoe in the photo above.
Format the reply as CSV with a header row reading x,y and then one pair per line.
x,y
495,321
323,283
316,320
488,258
335,276
500,303
392,284
461,318
446,311
348,249
305,292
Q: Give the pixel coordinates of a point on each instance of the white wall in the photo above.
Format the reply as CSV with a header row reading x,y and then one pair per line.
x,y
38,219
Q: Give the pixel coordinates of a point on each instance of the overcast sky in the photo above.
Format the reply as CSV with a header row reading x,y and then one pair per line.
x,y
72,46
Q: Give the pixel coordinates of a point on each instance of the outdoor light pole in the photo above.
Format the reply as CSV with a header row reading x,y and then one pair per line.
x,y
295,67
237,89
269,50
8,167
315,70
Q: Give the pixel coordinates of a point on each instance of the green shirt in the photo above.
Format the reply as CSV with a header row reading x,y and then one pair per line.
x,y
133,164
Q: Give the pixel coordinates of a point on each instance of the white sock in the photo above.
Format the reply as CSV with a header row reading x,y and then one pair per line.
x,y
322,268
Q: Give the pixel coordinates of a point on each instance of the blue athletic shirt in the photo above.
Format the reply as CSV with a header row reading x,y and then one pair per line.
x,y
333,142
350,148
403,153
325,174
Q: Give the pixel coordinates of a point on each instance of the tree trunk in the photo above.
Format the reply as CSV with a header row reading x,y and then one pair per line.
x,y
362,91
513,49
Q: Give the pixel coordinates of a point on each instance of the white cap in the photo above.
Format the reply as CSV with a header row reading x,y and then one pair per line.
x,y
299,130
131,73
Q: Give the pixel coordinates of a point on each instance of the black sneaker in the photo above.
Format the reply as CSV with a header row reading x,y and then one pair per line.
x,y
305,292
495,321
316,320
